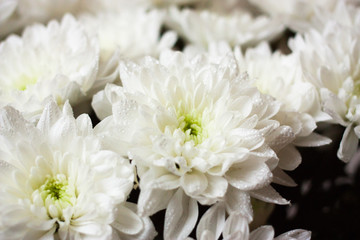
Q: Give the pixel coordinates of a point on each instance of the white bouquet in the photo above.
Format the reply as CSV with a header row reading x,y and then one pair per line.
x,y
175,119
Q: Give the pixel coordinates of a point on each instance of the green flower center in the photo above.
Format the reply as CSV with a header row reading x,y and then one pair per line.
x,y
24,82
194,125
56,190
191,125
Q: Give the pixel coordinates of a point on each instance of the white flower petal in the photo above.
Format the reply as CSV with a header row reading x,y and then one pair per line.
x,y
313,140
357,131
281,137
237,201
127,221
153,200
216,189
159,179
206,235
11,119
289,158
49,116
168,39
147,232
236,227
297,234
84,125
348,144
5,168
249,175
280,177
194,183
212,221
180,216
269,194
262,233
63,131
101,105
164,182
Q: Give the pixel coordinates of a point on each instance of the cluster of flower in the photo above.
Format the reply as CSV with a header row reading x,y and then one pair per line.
x,y
192,104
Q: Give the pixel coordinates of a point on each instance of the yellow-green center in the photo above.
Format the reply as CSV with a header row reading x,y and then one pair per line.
x,y
24,82
194,125
191,125
57,189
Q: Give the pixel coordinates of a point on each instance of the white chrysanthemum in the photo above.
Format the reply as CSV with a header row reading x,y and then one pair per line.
x,y
130,41
280,77
25,12
331,62
344,14
299,14
120,40
194,129
56,181
58,60
237,27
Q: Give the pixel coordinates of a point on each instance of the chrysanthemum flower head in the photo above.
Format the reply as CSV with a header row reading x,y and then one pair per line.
x,y
57,182
21,13
330,60
139,39
57,60
118,40
280,77
295,13
237,27
197,131
344,13
302,15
